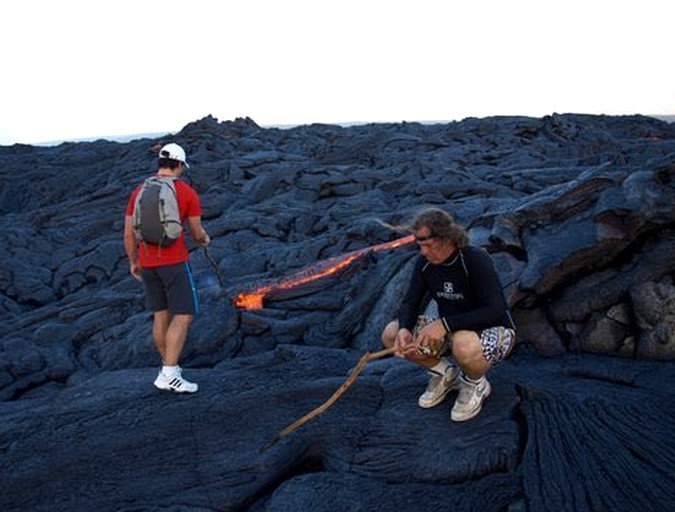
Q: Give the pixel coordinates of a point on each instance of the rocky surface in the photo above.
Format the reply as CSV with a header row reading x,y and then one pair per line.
x,y
577,211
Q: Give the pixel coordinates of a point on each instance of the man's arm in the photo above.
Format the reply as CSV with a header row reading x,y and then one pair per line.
x,y
198,232
131,247
490,304
409,309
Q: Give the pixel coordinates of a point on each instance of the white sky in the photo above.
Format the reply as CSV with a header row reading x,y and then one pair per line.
x,y
74,69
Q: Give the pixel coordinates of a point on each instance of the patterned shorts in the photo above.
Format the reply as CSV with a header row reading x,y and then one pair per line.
x,y
497,342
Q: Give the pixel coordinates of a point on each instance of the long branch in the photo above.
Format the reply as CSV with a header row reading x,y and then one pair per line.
x,y
368,356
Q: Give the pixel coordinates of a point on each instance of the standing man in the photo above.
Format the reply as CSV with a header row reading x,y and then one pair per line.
x,y
474,329
165,272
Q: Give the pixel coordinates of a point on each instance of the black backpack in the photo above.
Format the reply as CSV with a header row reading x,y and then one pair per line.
x,y
156,214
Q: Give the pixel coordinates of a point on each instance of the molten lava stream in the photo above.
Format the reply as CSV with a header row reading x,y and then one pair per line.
x,y
253,299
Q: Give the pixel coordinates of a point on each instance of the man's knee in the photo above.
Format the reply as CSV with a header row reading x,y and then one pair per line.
x,y
182,320
465,345
389,334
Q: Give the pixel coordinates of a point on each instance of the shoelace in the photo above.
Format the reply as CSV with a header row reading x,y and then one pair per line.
x,y
466,391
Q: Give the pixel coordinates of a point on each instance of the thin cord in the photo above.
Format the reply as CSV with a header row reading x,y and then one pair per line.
x,y
214,266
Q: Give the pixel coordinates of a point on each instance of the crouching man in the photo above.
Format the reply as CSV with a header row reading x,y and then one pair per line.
x,y
474,330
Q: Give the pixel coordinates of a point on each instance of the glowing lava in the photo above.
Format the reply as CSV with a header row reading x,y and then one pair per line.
x,y
250,300
253,299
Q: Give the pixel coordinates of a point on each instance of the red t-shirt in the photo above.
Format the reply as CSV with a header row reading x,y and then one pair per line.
x,y
188,206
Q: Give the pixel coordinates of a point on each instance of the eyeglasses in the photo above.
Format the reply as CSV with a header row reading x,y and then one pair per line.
x,y
424,238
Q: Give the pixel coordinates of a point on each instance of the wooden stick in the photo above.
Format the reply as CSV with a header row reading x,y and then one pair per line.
x,y
368,356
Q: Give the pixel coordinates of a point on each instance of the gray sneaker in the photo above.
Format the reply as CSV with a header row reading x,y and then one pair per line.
x,y
439,387
175,383
470,399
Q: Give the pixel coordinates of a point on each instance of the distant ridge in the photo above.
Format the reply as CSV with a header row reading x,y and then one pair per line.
x,y
109,138
670,118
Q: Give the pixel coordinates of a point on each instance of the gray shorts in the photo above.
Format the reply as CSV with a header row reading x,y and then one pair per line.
x,y
170,287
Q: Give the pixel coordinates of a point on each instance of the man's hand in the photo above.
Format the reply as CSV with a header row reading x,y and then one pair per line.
x,y
404,343
431,336
135,270
205,241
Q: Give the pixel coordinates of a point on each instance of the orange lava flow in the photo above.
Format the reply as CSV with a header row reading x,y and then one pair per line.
x,y
254,299
249,300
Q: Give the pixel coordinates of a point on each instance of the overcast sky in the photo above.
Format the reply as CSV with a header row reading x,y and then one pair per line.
x,y
76,69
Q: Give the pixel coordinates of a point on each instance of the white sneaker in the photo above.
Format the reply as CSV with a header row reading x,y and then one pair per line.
x,y
439,387
175,383
470,399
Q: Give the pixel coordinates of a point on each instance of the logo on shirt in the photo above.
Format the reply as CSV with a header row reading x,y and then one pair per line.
x,y
449,293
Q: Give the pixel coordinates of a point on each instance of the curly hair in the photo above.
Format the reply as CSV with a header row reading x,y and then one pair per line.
x,y
441,226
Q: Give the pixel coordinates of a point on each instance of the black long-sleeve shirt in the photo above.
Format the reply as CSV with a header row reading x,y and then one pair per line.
x,y
466,288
